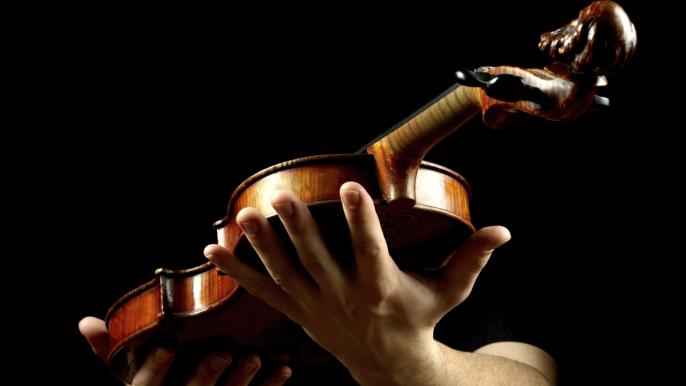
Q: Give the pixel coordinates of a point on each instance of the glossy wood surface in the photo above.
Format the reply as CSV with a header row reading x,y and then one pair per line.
x,y
203,297
601,40
423,208
441,208
173,293
398,154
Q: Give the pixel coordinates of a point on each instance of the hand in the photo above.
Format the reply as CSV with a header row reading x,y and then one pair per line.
x,y
157,364
376,319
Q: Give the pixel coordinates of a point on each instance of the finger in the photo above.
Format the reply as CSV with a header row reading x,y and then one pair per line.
x,y
307,239
95,332
210,369
154,369
458,277
274,256
256,283
244,372
368,242
279,377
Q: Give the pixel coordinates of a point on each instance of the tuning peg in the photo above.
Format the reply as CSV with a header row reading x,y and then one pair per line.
x,y
473,78
505,87
600,103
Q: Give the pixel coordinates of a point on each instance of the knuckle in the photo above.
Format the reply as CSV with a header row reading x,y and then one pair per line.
x,y
475,265
297,224
313,265
260,288
295,228
204,375
250,365
282,281
378,293
351,307
213,366
368,251
359,219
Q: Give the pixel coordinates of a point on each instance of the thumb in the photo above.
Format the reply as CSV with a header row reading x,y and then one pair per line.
x,y
458,277
95,332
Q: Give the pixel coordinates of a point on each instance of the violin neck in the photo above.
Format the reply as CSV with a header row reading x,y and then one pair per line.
x,y
460,108
399,152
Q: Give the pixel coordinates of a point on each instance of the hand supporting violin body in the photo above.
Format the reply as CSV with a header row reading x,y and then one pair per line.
x,y
160,361
375,318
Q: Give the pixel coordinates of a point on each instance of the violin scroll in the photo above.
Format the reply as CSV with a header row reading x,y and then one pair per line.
x,y
597,43
600,41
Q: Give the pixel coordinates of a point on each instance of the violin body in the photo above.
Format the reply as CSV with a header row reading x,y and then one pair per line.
x,y
420,237
423,207
179,307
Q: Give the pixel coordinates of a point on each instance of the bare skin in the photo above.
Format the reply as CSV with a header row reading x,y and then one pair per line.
x,y
377,320
155,368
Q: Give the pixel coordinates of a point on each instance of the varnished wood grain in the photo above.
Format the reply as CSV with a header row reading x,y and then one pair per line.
x,y
172,295
423,208
399,154
441,210
135,312
601,40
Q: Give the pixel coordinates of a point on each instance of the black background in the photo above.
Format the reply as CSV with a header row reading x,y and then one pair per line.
x,y
148,120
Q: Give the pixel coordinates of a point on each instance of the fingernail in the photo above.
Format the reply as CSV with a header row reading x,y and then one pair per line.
x,y
351,198
162,355
284,208
251,364
250,228
285,373
220,361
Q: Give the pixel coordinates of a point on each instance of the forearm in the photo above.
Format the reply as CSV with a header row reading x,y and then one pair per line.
x,y
465,368
444,366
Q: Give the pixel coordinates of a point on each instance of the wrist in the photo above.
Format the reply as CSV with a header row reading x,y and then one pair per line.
x,y
413,362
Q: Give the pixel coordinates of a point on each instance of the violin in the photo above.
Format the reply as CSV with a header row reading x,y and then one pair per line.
x,y
423,207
